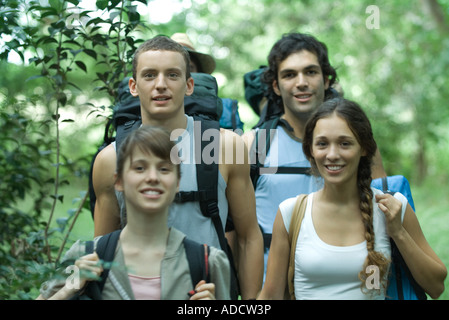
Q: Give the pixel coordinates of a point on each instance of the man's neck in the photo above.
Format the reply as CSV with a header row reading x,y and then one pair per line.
x,y
298,124
172,123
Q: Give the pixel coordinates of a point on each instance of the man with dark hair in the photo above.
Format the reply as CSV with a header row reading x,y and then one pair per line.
x,y
299,77
295,43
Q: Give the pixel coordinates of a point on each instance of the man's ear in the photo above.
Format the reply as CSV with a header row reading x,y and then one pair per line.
x,y
326,83
118,183
132,87
190,86
276,88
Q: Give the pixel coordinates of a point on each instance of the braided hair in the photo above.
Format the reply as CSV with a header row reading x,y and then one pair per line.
x,y
359,124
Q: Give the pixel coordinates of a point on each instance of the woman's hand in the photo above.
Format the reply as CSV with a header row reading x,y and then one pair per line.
x,y
89,267
392,208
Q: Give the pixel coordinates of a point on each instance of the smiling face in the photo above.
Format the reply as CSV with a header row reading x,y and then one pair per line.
x,y
300,83
161,84
148,182
336,150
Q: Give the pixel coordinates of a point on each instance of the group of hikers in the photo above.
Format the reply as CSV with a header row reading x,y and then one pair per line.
x,y
313,156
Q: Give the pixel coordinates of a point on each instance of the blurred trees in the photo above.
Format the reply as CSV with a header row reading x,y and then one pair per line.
x,y
396,71
59,44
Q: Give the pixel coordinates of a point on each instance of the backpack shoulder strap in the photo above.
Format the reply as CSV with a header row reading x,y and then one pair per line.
x,y
207,194
105,248
207,180
261,148
126,128
198,259
295,225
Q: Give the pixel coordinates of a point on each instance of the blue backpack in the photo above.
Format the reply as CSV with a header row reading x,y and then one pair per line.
x,y
402,285
230,118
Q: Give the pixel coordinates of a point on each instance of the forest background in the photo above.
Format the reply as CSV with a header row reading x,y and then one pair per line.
x,y
61,62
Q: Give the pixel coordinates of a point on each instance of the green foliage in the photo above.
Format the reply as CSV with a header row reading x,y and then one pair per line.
x,y
62,43
394,70
73,59
23,165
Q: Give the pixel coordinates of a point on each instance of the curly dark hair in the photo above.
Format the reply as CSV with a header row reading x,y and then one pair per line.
x,y
291,43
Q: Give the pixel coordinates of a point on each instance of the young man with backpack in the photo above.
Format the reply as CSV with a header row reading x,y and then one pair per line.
x,y
298,79
161,79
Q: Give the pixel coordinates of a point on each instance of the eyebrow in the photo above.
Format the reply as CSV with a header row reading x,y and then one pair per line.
x,y
308,67
173,69
338,138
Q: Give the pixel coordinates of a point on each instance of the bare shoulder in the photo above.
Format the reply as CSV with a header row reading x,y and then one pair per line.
x,y
104,167
106,156
229,137
233,148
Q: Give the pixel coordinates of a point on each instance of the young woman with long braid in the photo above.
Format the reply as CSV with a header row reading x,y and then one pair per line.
x,y
344,235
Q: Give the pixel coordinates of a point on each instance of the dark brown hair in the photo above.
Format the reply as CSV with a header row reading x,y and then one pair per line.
x,y
291,43
360,125
149,139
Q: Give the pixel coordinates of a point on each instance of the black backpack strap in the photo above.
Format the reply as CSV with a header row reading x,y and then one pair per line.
x,y
105,248
234,114
207,194
198,258
256,152
89,247
257,162
123,129
385,186
207,179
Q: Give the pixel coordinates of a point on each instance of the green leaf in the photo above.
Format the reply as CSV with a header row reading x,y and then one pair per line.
x,y
81,65
90,53
102,4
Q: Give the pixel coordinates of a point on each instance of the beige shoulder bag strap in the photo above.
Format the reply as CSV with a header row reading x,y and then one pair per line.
x,y
295,225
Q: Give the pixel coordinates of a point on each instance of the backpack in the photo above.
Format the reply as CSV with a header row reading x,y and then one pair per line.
x,y
230,118
203,105
402,285
256,95
255,88
197,257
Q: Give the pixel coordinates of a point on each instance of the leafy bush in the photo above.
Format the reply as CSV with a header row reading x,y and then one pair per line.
x,y
64,42
24,162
